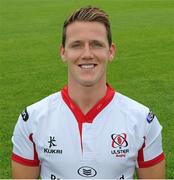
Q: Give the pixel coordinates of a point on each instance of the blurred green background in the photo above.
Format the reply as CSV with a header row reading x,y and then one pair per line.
x,y
31,68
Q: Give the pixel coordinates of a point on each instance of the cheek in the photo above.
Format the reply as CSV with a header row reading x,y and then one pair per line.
x,y
103,57
72,56
102,53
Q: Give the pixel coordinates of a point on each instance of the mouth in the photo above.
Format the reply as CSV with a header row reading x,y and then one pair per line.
x,y
87,66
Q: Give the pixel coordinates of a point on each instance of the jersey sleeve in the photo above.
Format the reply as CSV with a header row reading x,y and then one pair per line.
x,y
24,149
151,152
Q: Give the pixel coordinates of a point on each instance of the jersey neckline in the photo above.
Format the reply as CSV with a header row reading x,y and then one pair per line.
x,y
94,111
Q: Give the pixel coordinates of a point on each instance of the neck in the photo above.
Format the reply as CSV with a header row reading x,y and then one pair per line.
x,y
86,97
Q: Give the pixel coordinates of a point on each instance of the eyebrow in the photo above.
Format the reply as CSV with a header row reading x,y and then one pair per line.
x,y
76,41
97,41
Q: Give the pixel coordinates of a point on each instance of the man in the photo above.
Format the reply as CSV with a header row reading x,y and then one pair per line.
x,y
87,130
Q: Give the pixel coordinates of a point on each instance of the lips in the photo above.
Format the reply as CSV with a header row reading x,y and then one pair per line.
x,y
87,66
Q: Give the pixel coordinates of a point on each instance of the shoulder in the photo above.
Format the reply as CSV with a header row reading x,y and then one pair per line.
x,y
45,105
137,115
130,106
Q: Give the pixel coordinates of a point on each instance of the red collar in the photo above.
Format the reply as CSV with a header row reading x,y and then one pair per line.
x,y
94,111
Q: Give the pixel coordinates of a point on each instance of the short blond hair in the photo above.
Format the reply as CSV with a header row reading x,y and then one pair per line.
x,y
88,14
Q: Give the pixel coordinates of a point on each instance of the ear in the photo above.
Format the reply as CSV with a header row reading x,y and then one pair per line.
x,y
62,53
112,52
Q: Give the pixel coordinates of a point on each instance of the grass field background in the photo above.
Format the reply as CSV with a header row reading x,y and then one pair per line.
x,y
30,67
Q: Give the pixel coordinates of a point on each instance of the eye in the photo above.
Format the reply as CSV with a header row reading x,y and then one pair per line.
x,y
96,44
76,45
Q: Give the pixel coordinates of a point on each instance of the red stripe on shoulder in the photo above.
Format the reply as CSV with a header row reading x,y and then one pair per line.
x,y
34,147
25,161
152,162
28,162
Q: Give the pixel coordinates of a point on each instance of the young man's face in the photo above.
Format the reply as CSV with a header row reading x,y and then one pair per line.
x,y
87,53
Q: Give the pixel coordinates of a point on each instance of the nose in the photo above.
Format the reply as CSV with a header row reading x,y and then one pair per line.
x,y
87,52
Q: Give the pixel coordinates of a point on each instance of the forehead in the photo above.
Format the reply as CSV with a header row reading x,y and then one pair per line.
x,y
86,31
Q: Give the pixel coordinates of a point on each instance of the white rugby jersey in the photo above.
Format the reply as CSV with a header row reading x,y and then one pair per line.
x,y
115,136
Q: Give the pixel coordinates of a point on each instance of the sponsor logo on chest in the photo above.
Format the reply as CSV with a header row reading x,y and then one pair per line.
x,y
86,171
52,147
119,145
